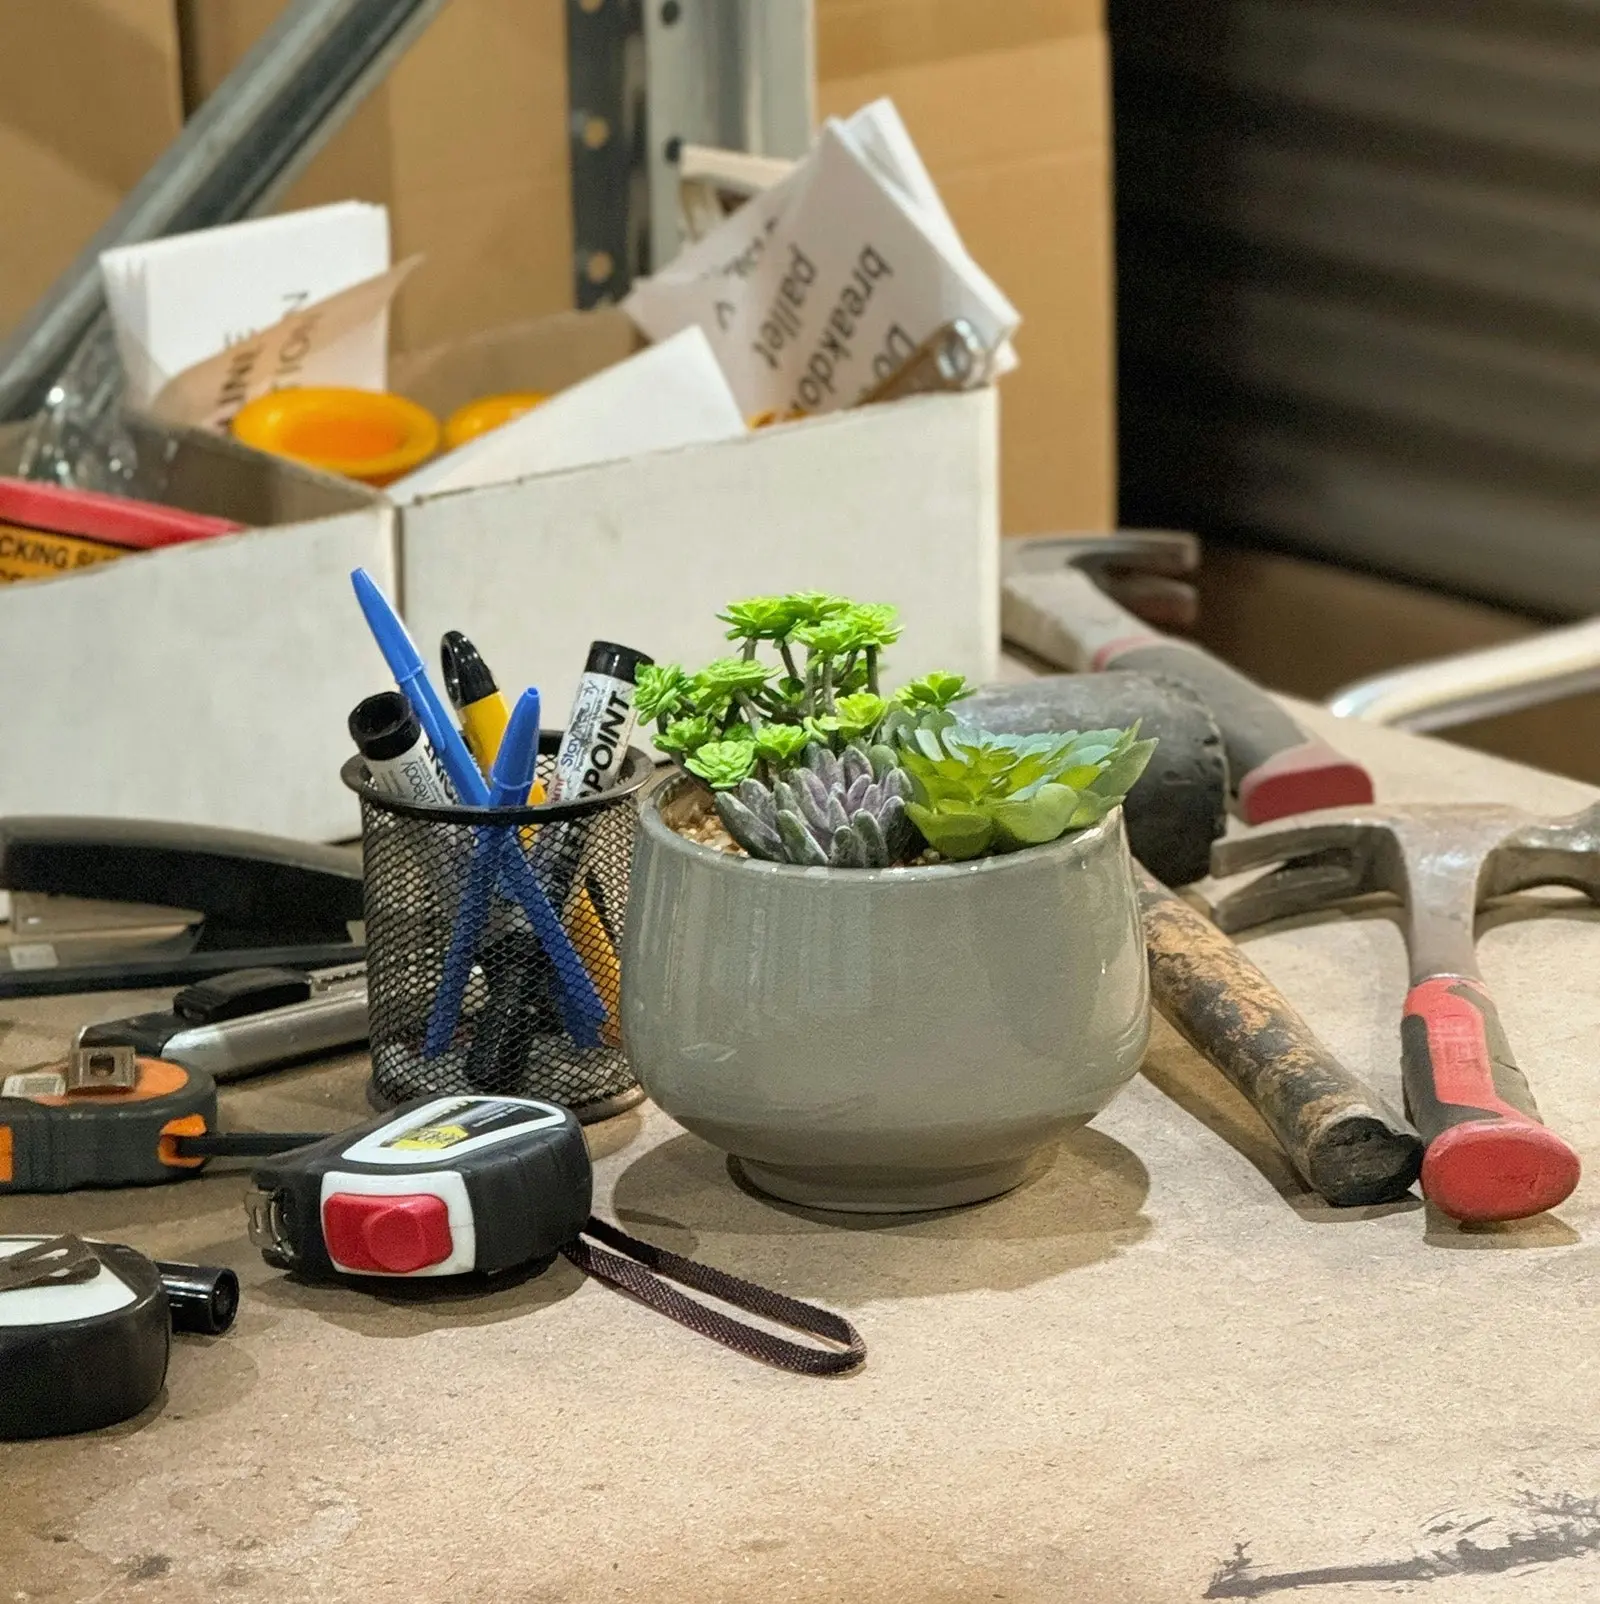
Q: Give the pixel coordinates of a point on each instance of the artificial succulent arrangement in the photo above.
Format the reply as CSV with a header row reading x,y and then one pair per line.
x,y
810,763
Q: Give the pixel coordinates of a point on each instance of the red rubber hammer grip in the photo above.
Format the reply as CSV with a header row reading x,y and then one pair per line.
x,y
1276,768
1489,1156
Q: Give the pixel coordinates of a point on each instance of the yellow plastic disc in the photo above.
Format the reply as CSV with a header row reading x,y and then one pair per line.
x,y
368,435
486,413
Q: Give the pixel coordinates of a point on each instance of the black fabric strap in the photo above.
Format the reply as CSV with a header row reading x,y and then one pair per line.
x,y
644,1274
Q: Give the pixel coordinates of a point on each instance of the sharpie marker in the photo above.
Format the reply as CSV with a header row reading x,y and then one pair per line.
x,y
475,696
400,763
600,724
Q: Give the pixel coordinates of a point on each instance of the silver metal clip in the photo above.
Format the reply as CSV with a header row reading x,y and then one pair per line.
x,y
59,1262
265,1227
951,358
102,1069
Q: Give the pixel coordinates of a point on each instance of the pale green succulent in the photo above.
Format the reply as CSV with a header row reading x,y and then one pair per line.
x,y
760,618
831,697
975,792
780,745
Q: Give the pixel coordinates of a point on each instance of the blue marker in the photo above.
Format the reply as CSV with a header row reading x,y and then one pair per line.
x,y
405,663
496,851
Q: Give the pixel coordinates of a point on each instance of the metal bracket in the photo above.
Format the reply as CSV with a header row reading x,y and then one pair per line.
x,y
61,1261
605,109
736,74
102,1069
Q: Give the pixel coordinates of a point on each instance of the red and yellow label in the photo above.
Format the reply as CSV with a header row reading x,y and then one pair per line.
x,y
41,554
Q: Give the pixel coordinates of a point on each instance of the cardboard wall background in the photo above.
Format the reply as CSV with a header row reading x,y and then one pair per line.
x,y
465,142
1009,104
90,95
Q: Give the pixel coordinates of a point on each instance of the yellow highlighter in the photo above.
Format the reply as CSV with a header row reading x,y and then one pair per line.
x,y
483,709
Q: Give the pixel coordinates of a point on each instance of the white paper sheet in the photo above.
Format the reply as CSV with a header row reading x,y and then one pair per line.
x,y
328,342
177,301
668,395
821,286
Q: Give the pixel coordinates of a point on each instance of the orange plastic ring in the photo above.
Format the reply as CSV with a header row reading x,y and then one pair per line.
x,y
370,435
486,413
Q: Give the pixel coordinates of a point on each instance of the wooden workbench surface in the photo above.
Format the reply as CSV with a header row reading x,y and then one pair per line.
x,y
1158,1372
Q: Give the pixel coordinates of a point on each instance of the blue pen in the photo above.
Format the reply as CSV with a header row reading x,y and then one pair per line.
x,y
405,663
496,851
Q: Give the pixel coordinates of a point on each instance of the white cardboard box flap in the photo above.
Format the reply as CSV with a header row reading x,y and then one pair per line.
x,y
891,503
664,396
206,683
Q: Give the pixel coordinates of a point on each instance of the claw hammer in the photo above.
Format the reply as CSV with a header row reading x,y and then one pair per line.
x,y
1489,1156
1054,602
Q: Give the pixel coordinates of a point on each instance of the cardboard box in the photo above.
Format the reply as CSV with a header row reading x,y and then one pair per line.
x,y
207,683
212,682
89,96
1009,106
891,503
466,143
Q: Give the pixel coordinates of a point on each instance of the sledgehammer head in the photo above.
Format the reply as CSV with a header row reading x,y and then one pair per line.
x,y
1178,807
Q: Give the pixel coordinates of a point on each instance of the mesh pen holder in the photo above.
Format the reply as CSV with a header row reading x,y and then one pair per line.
x,y
493,941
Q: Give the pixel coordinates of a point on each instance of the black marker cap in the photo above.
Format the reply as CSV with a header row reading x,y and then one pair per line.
x,y
466,676
200,1297
618,662
384,726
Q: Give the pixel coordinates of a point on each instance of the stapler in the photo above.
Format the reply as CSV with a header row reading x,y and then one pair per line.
x,y
122,904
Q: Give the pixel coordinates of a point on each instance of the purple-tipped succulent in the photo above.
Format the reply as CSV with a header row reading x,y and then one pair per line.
x,y
844,812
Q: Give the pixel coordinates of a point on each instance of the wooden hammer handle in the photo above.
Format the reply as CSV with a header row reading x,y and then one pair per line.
x,y
1335,1129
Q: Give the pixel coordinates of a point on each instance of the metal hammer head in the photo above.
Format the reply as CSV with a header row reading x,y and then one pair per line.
x,y
1138,568
1442,861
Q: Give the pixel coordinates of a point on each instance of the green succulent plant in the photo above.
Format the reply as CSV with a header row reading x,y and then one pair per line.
x,y
826,690
975,792
722,764
760,618
872,624
933,692
780,745
662,689
725,680
811,763
686,735
842,811
812,606
859,714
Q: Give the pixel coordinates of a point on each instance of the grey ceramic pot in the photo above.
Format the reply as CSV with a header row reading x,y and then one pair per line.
x,y
886,1040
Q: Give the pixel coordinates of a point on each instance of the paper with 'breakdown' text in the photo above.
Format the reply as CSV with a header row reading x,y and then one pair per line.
x,y
822,286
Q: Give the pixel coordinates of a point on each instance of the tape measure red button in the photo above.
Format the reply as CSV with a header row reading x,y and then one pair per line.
x,y
400,1235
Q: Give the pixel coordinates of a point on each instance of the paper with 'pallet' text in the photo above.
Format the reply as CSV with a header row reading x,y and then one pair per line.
x,y
822,286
